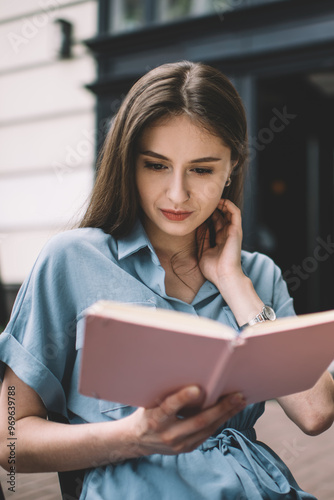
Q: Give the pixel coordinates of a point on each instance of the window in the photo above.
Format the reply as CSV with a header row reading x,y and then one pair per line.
x,y
127,15
135,14
173,9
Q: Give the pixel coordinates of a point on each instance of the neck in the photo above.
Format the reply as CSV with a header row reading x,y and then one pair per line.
x,y
168,246
182,253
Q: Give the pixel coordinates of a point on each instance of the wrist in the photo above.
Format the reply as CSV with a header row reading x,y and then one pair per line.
x,y
239,293
123,437
231,284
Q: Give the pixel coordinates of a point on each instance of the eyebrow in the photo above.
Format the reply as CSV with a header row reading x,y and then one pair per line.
x,y
205,159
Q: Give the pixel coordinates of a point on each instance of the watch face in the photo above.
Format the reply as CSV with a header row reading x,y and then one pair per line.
x,y
269,313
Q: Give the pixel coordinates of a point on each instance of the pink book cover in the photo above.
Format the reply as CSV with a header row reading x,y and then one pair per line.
x,y
138,355
280,358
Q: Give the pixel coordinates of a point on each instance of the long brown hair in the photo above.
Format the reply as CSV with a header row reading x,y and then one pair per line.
x,y
200,91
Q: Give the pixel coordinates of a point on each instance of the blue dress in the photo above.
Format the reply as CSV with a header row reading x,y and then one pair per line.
x,y
42,344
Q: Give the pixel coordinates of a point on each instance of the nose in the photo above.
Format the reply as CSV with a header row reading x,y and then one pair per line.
x,y
178,189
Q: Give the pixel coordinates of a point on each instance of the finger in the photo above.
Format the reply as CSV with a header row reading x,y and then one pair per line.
x,y
228,207
232,214
228,203
216,415
171,406
224,409
204,424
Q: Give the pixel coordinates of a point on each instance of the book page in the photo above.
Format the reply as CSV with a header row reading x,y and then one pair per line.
x,y
162,318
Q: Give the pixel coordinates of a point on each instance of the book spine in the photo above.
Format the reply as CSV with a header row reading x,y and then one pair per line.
x,y
212,389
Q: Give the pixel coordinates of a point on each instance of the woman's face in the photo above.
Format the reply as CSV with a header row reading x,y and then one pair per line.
x,y
181,171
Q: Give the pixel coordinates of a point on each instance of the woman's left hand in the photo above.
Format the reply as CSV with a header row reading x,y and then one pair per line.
x,y
221,264
224,259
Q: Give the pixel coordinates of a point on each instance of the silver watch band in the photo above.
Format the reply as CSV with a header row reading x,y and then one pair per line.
x,y
267,314
258,319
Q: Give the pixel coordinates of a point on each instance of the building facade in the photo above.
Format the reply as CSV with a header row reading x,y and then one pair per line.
x,y
47,126
280,56
66,66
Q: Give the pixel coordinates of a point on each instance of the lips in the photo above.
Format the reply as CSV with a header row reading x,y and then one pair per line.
x,y
177,215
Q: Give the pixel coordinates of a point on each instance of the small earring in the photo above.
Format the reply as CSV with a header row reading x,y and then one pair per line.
x,y
228,182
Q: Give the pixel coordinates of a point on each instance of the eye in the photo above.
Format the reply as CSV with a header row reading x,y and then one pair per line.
x,y
154,166
202,170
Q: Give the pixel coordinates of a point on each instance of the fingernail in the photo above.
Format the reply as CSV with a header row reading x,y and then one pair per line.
x,y
237,399
193,391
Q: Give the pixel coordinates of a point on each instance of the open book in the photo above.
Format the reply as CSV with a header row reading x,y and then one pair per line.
x,y
138,355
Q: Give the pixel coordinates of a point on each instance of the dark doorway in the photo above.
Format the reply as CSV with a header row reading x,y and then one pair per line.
x,y
294,152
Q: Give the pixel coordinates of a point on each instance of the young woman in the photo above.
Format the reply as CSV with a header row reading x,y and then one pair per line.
x,y
163,229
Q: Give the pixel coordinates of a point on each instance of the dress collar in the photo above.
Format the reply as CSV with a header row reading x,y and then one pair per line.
x,y
134,241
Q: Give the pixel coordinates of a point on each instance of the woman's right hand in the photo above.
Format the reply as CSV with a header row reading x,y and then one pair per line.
x,y
47,446
161,430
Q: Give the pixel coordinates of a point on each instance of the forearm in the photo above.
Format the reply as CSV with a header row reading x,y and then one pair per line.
x,y
312,410
45,446
241,297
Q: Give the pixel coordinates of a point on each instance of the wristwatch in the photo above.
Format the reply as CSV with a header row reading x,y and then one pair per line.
x,y
267,314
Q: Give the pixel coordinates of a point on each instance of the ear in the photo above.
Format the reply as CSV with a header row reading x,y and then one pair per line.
x,y
234,168
234,164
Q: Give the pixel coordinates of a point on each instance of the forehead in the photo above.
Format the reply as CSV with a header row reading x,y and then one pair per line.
x,y
181,130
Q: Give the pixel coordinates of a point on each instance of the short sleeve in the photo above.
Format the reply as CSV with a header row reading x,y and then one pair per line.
x,y
268,282
282,301
38,343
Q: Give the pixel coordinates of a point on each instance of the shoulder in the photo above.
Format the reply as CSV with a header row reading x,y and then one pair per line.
x,y
73,253
72,244
268,282
262,270
66,266
256,263
82,237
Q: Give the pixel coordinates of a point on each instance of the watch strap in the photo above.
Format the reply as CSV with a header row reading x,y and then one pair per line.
x,y
260,318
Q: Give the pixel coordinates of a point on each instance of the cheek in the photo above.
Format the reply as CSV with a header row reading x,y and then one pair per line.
x,y
211,192
141,185
146,190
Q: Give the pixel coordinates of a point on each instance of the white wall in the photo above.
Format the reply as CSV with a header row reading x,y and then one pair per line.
x,y
47,127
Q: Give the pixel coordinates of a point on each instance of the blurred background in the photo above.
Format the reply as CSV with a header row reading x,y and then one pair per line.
x,y
65,67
